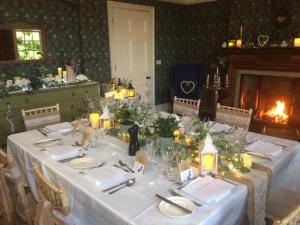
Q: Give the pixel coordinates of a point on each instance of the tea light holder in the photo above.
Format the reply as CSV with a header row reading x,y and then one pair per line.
x,y
95,120
106,119
208,157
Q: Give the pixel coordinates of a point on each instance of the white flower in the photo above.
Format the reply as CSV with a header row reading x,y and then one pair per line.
x,y
81,77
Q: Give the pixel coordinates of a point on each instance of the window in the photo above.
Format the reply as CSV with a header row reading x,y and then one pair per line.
x,y
29,44
21,42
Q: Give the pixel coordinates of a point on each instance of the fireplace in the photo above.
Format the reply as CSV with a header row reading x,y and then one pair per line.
x,y
267,81
275,102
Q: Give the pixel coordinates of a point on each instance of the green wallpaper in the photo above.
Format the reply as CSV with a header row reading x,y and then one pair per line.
x,y
79,28
256,17
60,21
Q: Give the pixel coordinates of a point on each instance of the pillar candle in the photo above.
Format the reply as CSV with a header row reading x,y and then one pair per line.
x,y
64,73
59,71
297,42
247,159
239,43
208,162
95,120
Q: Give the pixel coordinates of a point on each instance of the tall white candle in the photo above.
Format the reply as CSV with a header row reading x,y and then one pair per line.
x,y
207,80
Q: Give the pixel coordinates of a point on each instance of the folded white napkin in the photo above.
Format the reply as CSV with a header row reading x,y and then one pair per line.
x,y
251,137
264,148
217,127
63,152
108,176
63,128
207,189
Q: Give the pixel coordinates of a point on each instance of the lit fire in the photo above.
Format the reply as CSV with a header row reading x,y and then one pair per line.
x,y
278,113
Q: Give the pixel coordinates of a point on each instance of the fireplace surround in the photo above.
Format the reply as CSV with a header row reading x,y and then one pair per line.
x,y
268,81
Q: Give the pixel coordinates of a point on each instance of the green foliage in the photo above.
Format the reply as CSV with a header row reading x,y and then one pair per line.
x,y
44,70
229,155
127,113
165,127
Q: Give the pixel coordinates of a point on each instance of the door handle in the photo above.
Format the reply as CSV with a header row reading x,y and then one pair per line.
x,y
148,78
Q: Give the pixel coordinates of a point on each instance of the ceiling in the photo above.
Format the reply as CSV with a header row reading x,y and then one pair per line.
x,y
188,2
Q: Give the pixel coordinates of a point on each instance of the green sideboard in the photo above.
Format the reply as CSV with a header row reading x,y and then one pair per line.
x,y
70,98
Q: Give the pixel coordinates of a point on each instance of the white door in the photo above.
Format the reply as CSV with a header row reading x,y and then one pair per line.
x,y
132,46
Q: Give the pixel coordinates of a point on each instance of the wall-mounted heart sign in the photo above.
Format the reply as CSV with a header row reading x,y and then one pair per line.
x,y
187,86
263,40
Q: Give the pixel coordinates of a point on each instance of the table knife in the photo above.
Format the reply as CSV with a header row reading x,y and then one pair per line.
x,y
174,204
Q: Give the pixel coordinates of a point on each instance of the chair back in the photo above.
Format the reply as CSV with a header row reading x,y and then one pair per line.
x,y
233,116
39,117
186,107
51,193
6,204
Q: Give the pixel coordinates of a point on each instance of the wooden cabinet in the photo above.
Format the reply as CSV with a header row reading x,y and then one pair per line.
x,y
70,98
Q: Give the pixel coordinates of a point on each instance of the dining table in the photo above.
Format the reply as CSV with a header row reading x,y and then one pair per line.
x,y
138,204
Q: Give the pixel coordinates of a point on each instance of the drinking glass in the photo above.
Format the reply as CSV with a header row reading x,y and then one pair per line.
x,y
170,164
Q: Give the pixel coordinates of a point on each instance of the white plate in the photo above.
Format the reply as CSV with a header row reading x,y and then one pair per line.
x,y
174,212
83,163
47,142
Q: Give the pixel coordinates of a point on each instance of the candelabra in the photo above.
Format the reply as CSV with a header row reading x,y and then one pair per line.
x,y
217,84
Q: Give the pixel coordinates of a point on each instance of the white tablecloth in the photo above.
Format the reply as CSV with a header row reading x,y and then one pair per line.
x,y
137,204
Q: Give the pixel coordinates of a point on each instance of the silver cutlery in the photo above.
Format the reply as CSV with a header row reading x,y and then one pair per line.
x,y
178,194
120,167
69,159
127,184
42,131
98,166
186,183
174,204
115,186
125,165
80,145
46,141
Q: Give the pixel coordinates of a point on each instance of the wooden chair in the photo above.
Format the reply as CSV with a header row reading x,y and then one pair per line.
x,y
19,192
233,116
6,204
39,117
50,198
283,207
186,107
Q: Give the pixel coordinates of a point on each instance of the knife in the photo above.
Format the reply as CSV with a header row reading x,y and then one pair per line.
x,y
174,204
42,132
46,141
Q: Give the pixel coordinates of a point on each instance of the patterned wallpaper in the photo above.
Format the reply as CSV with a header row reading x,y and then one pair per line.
x,y
59,19
256,17
169,41
207,26
79,28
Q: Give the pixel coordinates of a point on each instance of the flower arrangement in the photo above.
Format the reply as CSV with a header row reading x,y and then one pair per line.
x,y
129,113
165,127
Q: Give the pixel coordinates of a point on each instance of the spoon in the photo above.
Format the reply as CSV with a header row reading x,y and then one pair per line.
x,y
127,184
125,164
80,145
